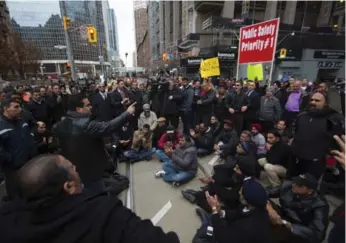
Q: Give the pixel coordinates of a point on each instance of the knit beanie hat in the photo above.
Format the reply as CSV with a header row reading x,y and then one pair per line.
x,y
254,193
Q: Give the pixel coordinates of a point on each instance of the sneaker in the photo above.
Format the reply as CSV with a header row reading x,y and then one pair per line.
x,y
159,173
175,184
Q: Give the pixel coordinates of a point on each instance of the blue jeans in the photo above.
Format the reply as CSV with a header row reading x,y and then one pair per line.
x,y
173,174
138,155
162,156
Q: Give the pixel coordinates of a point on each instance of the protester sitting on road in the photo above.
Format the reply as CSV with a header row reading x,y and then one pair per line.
x,y
276,162
160,129
170,139
147,117
259,140
225,183
248,224
53,203
180,166
203,139
215,126
286,134
302,212
226,138
123,140
141,145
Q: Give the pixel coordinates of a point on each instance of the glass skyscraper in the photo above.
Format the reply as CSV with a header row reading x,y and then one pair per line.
x,y
40,22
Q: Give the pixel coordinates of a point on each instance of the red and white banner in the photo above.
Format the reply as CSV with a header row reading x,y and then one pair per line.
x,y
257,42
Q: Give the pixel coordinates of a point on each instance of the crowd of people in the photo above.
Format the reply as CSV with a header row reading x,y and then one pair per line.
x,y
60,143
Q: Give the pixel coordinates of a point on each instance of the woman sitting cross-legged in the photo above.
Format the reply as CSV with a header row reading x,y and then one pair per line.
x,y
180,165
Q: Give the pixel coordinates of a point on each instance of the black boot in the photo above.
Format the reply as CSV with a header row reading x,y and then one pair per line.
x,y
189,196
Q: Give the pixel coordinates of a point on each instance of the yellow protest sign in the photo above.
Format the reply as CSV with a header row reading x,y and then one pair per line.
x,y
255,70
210,67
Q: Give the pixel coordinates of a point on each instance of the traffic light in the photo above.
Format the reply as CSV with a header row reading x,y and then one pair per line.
x,y
283,53
92,35
66,21
164,56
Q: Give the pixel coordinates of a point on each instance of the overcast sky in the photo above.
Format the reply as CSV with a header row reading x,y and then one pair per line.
x,y
126,27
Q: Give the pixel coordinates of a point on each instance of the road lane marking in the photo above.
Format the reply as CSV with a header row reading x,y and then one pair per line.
x,y
161,213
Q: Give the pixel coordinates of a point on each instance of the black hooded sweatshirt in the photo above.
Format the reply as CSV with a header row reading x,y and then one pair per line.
x,y
98,219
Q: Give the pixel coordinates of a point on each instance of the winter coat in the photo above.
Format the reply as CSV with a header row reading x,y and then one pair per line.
x,y
240,226
270,109
141,140
308,215
316,128
161,143
81,142
97,218
185,158
151,120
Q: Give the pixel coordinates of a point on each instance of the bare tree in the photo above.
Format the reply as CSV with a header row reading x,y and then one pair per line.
x,y
28,56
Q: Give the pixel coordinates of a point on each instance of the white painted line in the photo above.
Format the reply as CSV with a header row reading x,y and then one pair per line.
x,y
160,214
214,160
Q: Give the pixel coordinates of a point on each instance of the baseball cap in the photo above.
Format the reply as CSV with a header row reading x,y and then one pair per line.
x,y
307,180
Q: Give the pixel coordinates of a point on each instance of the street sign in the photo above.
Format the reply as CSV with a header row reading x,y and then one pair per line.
x,y
257,42
329,65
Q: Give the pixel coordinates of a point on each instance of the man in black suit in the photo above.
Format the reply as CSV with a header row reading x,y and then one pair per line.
x,y
101,105
253,106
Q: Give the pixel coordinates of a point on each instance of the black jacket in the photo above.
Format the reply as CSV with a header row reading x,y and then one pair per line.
x,y
78,219
309,215
236,101
279,154
316,128
101,108
17,144
254,104
56,109
157,134
205,140
240,226
115,100
187,99
39,110
171,107
81,142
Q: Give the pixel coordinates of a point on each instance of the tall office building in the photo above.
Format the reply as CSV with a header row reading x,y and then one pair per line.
x,y
142,34
154,31
41,23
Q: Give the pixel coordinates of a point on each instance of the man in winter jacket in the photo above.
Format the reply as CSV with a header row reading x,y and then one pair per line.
x,y
204,139
181,164
248,224
54,203
17,143
276,161
147,117
141,144
81,140
186,105
315,127
303,213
